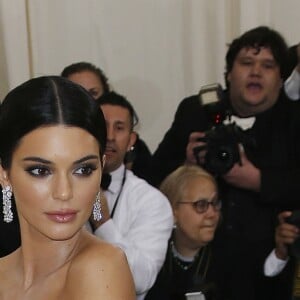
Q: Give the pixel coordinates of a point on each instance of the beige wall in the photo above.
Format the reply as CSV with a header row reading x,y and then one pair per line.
x,y
155,52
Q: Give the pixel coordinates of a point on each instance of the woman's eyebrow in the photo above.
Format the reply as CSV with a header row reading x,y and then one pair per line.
x,y
37,159
45,161
85,158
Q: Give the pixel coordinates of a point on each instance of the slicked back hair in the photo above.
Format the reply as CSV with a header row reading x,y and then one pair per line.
x,y
47,101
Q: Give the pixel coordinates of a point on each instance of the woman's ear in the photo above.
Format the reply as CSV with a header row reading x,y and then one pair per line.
x,y
4,181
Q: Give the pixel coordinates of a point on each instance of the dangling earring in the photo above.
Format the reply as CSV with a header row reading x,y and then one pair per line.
x,y
97,208
7,212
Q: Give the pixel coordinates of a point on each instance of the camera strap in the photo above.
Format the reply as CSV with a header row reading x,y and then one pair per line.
x,y
119,194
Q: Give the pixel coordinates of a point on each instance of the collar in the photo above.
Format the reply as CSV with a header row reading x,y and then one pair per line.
x,y
116,179
244,123
181,257
232,117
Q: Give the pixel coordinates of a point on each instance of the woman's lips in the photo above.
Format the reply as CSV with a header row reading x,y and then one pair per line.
x,y
62,217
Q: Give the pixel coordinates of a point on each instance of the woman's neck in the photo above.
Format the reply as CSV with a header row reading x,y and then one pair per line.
x,y
40,258
184,247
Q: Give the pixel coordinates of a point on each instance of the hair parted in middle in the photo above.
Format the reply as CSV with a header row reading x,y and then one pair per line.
x,y
47,101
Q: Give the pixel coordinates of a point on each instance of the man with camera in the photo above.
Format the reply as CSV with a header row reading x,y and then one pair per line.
x,y
264,178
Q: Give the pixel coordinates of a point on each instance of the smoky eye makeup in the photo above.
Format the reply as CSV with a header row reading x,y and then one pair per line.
x,y
86,169
38,170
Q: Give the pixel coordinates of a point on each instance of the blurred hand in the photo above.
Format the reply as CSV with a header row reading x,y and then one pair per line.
x,y
244,174
104,211
192,143
285,235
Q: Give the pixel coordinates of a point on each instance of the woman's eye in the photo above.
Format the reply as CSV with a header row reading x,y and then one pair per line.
x,y
85,170
201,204
38,171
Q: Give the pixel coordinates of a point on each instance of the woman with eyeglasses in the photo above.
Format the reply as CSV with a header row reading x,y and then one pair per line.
x,y
193,195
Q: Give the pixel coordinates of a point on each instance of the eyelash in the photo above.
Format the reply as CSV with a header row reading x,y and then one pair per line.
x,y
35,171
43,171
88,169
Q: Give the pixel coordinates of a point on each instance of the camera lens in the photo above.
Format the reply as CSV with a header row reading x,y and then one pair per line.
x,y
223,155
219,159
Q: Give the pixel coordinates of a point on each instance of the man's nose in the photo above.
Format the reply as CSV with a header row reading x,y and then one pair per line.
x,y
110,133
256,69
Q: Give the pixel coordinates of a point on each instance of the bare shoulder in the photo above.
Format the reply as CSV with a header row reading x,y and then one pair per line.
x,y
99,271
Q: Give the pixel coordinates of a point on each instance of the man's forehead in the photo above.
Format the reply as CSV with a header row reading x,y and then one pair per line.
x,y
257,51
115,112
114,109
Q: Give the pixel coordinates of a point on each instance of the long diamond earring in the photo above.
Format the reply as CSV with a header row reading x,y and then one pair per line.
x,y
7,212
97,208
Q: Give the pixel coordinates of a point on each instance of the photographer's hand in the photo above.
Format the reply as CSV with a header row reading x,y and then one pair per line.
x,y
192,143
285,235
244,174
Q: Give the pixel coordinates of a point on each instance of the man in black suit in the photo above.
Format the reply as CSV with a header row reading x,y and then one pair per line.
x,y
266,177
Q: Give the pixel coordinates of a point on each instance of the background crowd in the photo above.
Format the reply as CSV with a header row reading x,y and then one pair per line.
x,y
230,225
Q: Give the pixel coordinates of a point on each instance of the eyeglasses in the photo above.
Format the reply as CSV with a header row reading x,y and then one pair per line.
x,y
201,206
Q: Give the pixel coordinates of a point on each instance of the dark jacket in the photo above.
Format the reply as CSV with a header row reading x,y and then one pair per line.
x,y
140,158
176,278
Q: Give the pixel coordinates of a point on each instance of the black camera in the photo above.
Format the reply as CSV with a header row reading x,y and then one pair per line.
x,y
294,219
222,150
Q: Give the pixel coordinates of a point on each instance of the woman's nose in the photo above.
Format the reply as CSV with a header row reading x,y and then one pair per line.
x,y
63,188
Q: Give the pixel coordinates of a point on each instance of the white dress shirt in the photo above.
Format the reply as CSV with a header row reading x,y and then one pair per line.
x,y
273,265
141,226
292,85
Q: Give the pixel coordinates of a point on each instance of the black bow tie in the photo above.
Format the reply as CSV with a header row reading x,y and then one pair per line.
x,y
105,181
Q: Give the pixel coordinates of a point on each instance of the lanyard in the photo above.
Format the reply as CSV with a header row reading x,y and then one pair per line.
x,y
119,194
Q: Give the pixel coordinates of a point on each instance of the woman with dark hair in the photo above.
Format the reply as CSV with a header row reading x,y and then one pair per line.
x,y
92,78
52,140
